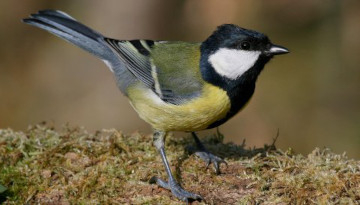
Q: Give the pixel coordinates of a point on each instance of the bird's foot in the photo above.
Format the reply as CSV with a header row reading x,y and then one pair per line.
x,y
205,155
210,159
176,190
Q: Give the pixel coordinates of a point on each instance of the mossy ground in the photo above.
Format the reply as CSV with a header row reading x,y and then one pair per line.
x,y
72,166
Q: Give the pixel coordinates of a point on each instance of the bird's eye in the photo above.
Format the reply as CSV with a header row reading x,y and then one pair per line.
x,y
245,45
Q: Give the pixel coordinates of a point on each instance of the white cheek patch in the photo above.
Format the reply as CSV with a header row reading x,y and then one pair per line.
x,y
232,63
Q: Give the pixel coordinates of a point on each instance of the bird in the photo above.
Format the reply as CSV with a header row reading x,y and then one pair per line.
x,y
176,85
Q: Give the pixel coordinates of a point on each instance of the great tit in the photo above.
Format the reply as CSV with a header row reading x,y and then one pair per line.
x,y
174,85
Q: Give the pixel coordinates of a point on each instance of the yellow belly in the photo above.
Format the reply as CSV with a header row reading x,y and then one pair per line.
x,y
195,115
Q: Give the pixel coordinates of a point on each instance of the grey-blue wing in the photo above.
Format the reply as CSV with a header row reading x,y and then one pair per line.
x,y
130,61
135,55
174,80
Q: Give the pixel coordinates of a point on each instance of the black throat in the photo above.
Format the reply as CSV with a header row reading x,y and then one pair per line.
x,y
239,90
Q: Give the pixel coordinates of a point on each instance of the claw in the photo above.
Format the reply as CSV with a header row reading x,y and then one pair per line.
x,y
204,154
216,166
208,162
176,190
210,158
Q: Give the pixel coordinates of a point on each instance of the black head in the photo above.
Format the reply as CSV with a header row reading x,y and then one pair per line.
x,y
233,54
232,58
234,37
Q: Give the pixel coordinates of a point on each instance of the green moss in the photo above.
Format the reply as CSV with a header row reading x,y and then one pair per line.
x,y
2,189
73,166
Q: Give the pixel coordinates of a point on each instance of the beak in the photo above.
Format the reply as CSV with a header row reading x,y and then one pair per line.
x,y
277,50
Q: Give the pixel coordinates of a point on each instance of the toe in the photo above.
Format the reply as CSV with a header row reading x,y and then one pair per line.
x,y
217,165
211,159
184,195
176,190
215,160
159,182
187,196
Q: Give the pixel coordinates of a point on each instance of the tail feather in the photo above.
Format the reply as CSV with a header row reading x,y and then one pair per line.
x,y
66,27
67,24
56,13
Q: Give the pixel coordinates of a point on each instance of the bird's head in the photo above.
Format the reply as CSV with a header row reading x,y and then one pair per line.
x,y
232,51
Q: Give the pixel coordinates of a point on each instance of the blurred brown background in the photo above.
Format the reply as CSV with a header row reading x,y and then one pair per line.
x,y
311,95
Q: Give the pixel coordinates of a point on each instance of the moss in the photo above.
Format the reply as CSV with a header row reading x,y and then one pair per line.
x,y
72,166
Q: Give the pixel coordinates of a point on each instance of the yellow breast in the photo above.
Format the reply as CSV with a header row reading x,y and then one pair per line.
x,y
194,115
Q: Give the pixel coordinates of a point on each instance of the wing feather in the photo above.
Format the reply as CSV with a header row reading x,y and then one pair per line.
x,y
137,63
170,69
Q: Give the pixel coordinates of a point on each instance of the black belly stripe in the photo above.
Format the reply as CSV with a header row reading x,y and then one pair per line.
x,y
238,99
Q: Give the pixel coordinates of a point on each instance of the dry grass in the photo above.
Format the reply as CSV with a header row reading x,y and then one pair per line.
x,y
75,167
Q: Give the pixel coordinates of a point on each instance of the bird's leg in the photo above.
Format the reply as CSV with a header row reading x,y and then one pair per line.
x,y
204,154
171,184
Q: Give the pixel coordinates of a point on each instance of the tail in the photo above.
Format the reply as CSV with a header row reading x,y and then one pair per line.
x,y
66,27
